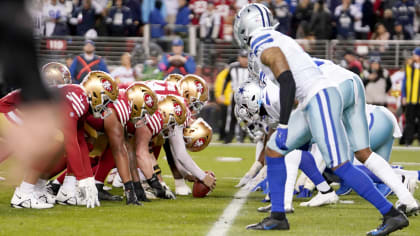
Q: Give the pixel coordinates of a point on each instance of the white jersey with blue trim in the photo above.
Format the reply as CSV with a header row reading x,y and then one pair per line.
x,y
308,78
271,101
333,72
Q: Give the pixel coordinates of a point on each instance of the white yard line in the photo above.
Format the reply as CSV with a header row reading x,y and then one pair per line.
x,y
225,221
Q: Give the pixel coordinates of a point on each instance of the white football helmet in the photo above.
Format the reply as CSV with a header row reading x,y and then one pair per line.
x,y
248,101
251,17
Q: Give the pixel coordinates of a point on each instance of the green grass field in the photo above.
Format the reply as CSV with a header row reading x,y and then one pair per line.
x,y
190,216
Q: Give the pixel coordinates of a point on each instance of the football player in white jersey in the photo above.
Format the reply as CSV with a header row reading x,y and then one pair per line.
x,y
356,125
295,75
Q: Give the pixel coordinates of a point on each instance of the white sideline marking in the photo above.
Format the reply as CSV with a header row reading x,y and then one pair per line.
x,y
222,225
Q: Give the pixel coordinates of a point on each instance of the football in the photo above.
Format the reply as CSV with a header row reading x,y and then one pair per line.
x,y
200,190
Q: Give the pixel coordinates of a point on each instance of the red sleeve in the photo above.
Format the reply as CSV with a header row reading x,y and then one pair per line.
x,y
75,158
122,108
155,123
77,100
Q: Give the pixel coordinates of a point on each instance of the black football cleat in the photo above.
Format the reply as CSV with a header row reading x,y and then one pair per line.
x,y
131,198
409,211
104,195
390,224
141,195
53,188
270,223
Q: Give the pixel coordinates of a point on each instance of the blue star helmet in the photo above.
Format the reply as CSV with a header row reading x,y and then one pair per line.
x,y
248,101
251,17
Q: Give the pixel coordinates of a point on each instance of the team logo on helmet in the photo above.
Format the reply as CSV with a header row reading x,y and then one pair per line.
x,y
107,85
177,109
148,100
198,143
199,86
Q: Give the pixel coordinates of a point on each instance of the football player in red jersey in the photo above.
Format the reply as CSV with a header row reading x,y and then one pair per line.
x,y
92,96
171,112
133,105
194,91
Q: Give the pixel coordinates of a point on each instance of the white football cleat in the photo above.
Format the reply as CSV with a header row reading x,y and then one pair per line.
x,y
45,196
111,176
287,209
181,188
150,194
25,200
73,198
117,182
321,199
410,183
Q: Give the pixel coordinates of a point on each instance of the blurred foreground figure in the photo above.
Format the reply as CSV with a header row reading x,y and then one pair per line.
x,y
33,139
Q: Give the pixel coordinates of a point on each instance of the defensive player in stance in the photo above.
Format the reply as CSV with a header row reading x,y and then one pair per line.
x,y
96,91
292,75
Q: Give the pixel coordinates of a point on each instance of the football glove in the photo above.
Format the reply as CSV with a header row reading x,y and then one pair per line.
x,y
89,192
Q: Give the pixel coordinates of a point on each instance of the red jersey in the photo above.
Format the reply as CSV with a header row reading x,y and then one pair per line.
x,y
120,106
76,100
154,124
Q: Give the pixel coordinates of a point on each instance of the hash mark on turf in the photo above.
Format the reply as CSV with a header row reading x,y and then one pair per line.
x,y
225,221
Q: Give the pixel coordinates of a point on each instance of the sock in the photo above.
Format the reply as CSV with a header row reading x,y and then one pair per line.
x,y
137,185
128,186
383,170
40,184
292,161
369,173
69,183
276,175
179,183
26,187
278,215
308,166
363,185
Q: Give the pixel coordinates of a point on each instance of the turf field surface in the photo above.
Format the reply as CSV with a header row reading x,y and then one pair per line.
x,y
190,216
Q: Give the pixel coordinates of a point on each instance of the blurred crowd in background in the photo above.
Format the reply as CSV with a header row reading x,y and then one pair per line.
x,y
311,19
301,19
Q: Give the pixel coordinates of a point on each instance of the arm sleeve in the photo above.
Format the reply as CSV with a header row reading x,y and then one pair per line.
x,y
75,162
181,155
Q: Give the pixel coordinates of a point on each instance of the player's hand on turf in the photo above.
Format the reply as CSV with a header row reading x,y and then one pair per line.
x,y
169,194
89,191
210,180
244,181
281,137
257,179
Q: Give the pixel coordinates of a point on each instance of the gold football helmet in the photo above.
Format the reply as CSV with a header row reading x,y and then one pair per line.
x,y
195,90
101,89
197,136
174,112
174,78
143,101
55,73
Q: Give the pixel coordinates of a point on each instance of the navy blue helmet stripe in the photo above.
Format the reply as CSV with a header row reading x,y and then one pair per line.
x,y
262,16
